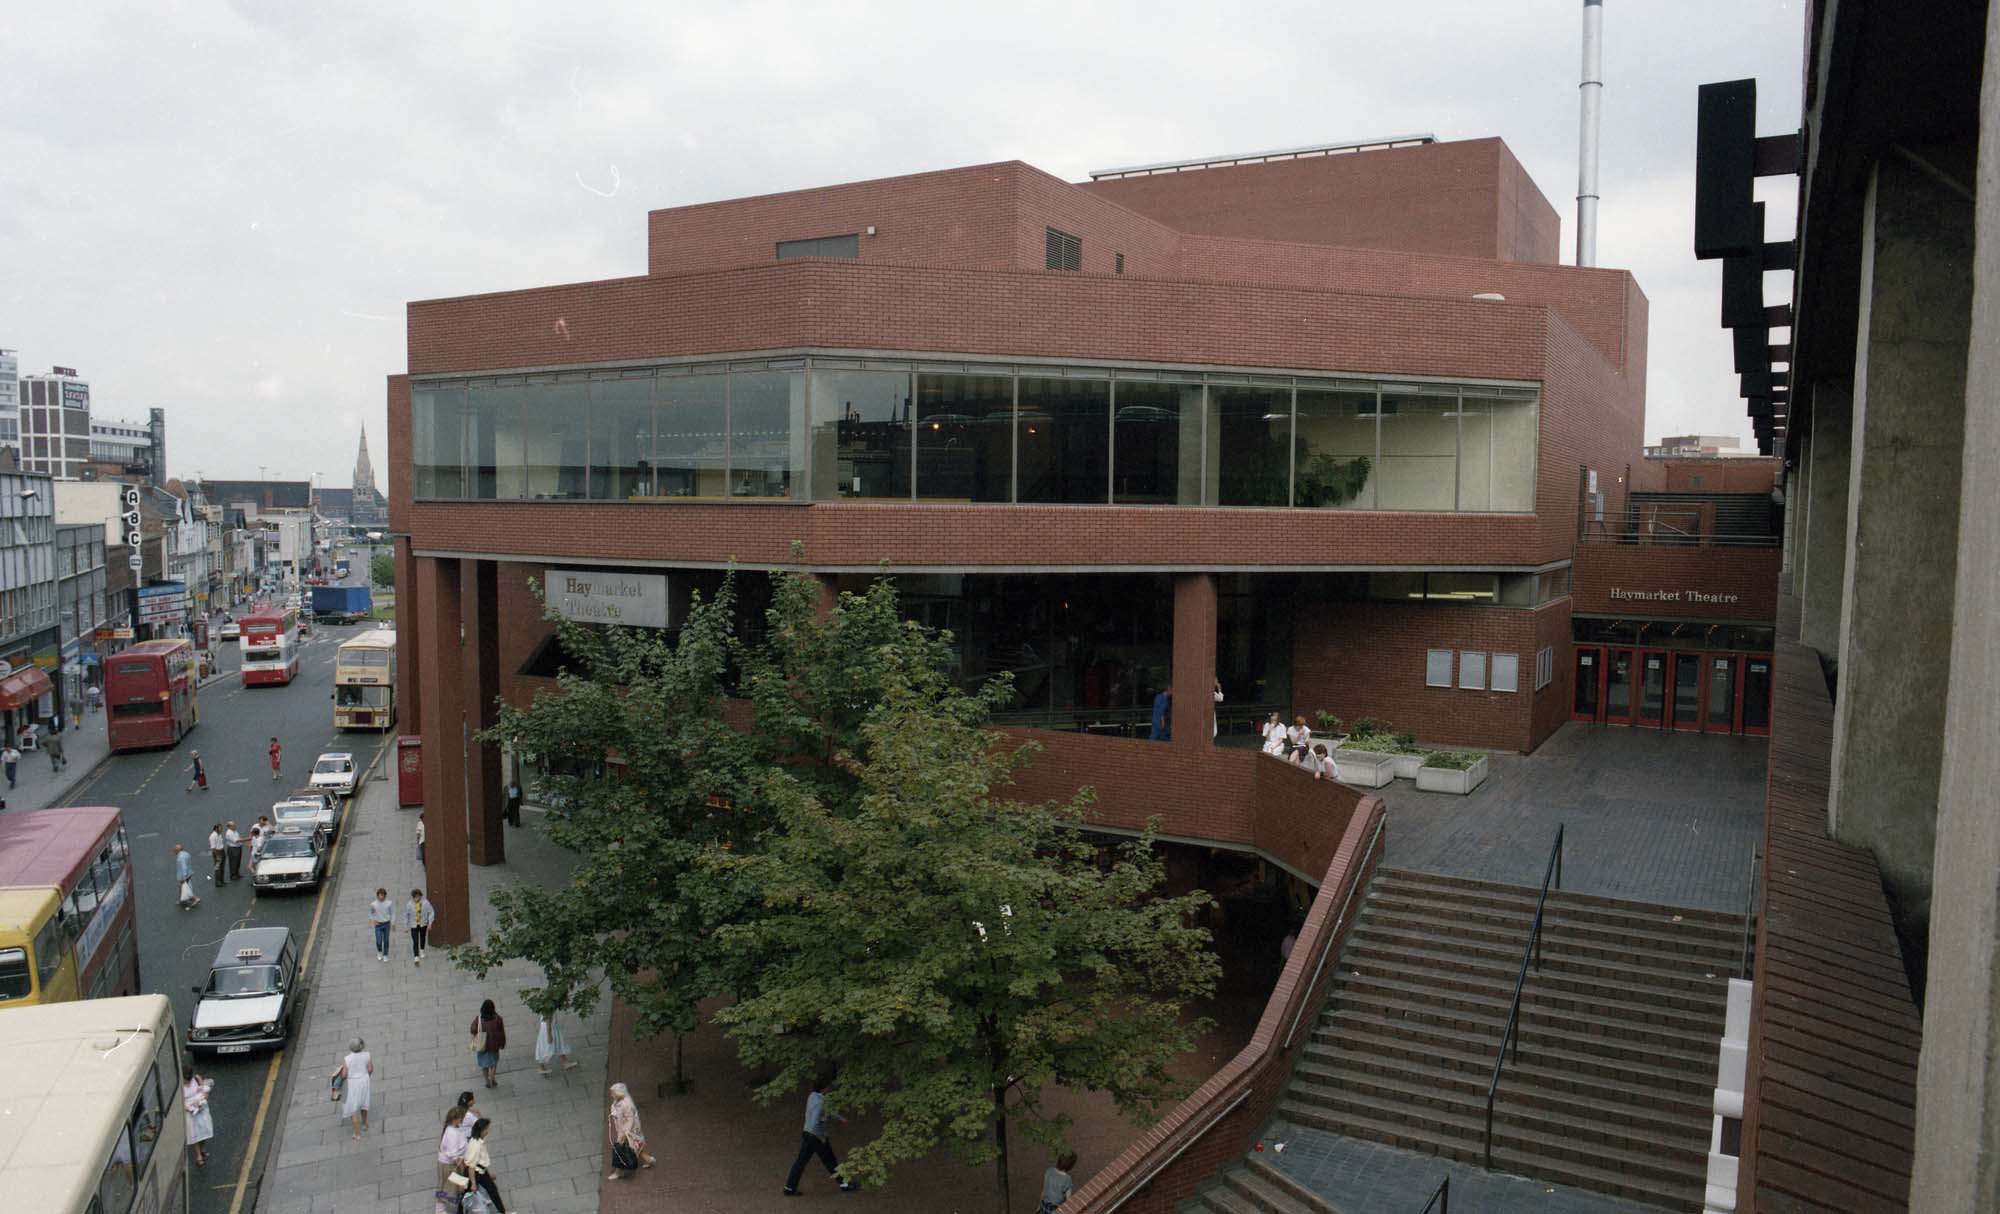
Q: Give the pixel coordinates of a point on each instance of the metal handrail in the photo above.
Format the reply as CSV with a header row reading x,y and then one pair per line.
x,y
1440,1197
1532,953
1750,913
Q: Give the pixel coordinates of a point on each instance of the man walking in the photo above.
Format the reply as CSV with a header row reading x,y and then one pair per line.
x,y
276,752
418,915
420,838
233,843
512,806
215,854
381,912
54,745
814,1142
184,877
11,758
92,695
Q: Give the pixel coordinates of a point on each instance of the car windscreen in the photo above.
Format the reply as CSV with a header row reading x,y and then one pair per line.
x,y
238,980
298,811
333,767
288,849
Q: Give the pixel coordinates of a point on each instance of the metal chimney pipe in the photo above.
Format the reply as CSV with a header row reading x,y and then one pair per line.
x,y
1591,95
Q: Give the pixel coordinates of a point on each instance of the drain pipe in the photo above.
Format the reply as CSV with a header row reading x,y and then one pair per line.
x,y
1591,96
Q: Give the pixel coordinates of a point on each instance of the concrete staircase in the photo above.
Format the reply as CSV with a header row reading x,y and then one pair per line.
x,y
1618,1036
1256,1186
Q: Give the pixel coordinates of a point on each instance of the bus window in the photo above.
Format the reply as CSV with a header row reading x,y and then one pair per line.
x,y
117,1185
150,1116
15,981
84,897
51,948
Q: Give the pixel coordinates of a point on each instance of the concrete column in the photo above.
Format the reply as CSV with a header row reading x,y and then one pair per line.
x,y
479,606
1957,1165
442,680
1825,557
1902,533
1194,659
409,643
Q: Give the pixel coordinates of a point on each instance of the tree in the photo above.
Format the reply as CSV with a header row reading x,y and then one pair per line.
x,y
954,952
382,569
648,778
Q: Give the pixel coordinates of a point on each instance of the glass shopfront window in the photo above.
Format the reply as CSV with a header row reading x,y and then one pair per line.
x,y
847,429
1064,436
1156,444
965,437
861,434
1250,446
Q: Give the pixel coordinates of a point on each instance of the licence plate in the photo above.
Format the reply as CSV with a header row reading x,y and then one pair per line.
x,y
232,1049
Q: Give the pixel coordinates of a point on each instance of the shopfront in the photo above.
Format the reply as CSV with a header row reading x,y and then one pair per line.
x,y
1679,675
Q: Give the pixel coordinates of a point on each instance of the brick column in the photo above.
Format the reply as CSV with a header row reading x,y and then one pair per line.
x,y
409,643
479,605
1194,659
442,680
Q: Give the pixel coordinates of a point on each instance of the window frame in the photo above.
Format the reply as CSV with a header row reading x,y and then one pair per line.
x,y
1470,660
1512,663
1431,659
844,246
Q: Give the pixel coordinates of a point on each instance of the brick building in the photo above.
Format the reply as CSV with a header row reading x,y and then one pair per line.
x,y
1331,430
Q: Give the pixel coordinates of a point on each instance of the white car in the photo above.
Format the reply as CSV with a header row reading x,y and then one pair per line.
x,y
307,809
251,994
335,773
295,858
231,630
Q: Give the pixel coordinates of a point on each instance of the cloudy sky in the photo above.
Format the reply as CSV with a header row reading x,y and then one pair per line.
x,y
221,208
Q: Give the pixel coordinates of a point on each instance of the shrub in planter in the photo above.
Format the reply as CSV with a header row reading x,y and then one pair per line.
x,y
1452,771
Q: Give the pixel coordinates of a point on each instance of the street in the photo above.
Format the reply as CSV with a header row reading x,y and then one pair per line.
x,y
176,946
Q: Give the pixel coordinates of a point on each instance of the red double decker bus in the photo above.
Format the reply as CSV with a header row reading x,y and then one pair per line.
x,y
270,641
149,694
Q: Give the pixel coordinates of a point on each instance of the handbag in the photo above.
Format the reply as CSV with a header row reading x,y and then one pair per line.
x,y
624,1158
477,1202
338,1086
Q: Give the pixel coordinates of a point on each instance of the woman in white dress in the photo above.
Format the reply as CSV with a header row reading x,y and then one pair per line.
x,y
359,1069
1274,737
201,1126
550,1044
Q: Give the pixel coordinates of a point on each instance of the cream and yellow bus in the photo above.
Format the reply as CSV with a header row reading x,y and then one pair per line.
x,y
364,681
93,1095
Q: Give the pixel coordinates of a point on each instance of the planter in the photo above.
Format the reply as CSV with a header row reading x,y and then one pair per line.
x,y
1365,768
1452,779
1408,766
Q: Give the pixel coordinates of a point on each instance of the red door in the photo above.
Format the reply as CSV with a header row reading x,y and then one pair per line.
x,y
1620,693
1722,703
1587,702
1652,687
1756,695
1685,691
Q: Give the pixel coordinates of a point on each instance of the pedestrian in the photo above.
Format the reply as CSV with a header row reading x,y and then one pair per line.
x,y
12,758
232,843
1215,718
479,1162
184,874
420,838
489,1037
814,1142
628,1138
201,1124
550,1043
451,1147
199,778
216,855
381,912
1056,1184
418,915
1300,736
93,695
264,824
54,745
358,1069
256,848
472,1112
1163,716
512,810
276,752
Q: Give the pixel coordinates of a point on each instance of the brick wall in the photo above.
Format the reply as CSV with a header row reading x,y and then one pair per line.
x,y
1750,574
1734,474
1592,416
1367,659
1553,631
1441,198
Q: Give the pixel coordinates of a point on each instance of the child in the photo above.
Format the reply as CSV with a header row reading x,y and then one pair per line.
x,y
1056,1184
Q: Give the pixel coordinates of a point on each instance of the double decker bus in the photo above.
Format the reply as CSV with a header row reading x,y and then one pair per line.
x,y
67,928
93,1093
270,642
364,681
149,694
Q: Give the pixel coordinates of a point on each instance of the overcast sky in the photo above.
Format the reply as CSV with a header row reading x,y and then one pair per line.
x,y
222,208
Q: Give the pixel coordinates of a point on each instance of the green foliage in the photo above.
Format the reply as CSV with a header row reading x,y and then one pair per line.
x,y
382,569
1453,760
1328,480
1328,723
952,952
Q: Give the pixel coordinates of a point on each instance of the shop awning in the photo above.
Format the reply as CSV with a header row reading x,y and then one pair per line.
x,y
24,687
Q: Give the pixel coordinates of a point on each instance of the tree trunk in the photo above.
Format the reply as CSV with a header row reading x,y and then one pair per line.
x,y
680,1071
1000,1141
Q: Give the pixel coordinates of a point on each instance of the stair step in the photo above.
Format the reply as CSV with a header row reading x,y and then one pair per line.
x,y
1556,944
1473,1074
1664,935
1533,1003
1273,1192
1444,885
1534,1023
1649,1112
1389,946
1438,965
1618,1173
1541,1061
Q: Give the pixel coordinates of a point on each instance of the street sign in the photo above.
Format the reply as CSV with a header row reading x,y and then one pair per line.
x,y
135,560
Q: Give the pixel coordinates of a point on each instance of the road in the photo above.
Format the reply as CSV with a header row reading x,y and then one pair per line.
x,y
176,946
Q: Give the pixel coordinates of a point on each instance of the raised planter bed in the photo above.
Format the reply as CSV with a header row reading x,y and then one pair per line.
x,y
1408,766
1365,768
1459,780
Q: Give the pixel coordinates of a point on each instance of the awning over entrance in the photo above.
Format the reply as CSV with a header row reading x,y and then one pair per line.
x,y
24,687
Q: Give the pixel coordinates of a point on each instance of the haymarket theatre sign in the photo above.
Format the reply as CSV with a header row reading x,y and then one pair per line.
x,y
1620,594
596,596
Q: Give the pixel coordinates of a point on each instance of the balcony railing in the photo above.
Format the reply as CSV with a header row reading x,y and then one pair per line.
x,y
1747,520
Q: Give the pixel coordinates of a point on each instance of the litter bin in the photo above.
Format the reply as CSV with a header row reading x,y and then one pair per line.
x,y
409,770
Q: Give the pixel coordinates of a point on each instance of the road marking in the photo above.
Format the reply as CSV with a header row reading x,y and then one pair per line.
x,y
151,835
241,780
305,967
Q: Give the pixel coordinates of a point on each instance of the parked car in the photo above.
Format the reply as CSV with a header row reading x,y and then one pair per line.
x,y
251,993
295,858
310,809
335,772
231,630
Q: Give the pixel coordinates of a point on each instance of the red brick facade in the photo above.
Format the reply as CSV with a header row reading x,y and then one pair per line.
x,y
1732,584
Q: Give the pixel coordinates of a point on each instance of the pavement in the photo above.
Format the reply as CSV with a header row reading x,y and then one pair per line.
x,y
548,1135
1661,817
